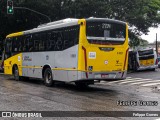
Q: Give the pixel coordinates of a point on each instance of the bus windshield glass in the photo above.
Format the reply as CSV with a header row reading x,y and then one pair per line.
x,y
106,33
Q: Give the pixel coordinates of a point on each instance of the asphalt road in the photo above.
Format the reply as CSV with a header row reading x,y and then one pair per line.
x,y
32,95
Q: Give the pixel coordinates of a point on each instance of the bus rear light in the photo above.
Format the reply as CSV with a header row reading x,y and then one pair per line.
x,y
122,75
85,60
125,59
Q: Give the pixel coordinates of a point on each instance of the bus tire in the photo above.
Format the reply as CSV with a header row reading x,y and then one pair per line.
x,y
48,79
16,73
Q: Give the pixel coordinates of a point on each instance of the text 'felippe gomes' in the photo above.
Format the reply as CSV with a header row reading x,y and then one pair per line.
x,y
145,115
137,103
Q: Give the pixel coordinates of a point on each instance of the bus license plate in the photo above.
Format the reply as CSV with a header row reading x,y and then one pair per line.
x,y
101,76
104,75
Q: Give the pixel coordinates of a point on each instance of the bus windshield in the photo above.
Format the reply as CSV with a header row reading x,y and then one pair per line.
x,y
106,33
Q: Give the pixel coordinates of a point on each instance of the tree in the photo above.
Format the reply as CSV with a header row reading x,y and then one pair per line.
x,y
140,14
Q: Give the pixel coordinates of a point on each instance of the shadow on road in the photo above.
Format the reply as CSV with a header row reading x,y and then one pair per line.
x,y
66,86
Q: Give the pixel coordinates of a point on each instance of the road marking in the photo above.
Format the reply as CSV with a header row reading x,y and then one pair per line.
x,y
149,81
150,84
130,81
133,81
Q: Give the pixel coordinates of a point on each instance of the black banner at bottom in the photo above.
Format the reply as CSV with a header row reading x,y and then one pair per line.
x,y
37,114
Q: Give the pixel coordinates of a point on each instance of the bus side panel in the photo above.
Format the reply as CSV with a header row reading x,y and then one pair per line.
x,y
62,63
33,63
66,64
14,60
30,69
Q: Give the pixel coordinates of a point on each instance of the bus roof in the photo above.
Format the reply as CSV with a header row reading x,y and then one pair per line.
x,y
14,34
51,25
60,24
105,19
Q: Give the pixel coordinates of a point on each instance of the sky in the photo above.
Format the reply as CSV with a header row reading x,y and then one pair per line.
x,y
151,37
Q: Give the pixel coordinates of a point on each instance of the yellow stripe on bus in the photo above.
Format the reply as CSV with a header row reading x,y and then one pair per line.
x,y
15,34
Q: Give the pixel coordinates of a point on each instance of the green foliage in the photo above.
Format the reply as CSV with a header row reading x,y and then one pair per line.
x,y
140,14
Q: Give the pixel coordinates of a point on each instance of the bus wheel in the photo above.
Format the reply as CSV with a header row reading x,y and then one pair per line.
x,y
16,73
81,84
48,80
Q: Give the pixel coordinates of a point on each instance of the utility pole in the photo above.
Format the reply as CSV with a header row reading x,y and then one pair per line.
x,y
156,44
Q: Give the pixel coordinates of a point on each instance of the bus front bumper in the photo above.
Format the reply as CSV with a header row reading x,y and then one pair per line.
x,y
148,67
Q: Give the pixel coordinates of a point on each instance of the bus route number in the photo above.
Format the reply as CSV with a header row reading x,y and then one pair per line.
x,y
106,26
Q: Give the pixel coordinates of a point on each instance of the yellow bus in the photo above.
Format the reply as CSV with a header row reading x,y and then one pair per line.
x,y
143,58
69,50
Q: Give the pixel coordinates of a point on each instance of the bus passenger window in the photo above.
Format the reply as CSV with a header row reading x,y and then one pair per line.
x,y
8,48
59,41
20,46
41,45
30,49
24,46
35,41
43,42
119,34
36,45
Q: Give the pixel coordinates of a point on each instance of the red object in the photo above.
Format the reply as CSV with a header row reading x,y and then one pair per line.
x,y
104,75
85,59
125,59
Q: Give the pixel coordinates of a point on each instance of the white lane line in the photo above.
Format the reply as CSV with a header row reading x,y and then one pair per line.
x,y
137,78
153,81
150,84
135,81
127,80
118,81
